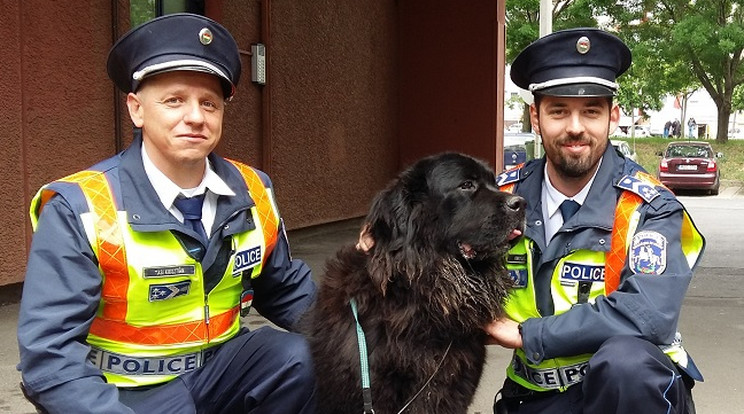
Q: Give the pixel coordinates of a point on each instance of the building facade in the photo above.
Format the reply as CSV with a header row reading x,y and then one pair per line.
x,y
354,91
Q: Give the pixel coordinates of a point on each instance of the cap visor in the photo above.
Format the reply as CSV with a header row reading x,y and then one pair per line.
x,y
586,90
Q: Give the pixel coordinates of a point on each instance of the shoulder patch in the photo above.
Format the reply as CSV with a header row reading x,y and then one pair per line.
x,y
644,188
509,176
648,253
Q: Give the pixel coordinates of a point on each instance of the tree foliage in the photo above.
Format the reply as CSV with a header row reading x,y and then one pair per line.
x,y
677,45
695,43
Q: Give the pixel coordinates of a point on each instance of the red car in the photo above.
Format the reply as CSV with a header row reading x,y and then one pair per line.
x,y
690,166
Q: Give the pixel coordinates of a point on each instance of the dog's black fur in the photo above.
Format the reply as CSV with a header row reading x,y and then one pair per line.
x,y
434,275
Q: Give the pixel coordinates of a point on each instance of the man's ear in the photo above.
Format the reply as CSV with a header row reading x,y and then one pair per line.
x,y
614,118
535,119
135,109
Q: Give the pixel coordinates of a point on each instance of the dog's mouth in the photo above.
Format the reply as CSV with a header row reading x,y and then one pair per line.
x,y
469,252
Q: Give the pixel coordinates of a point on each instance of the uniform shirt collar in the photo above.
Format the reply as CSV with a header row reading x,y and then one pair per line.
x,y
167,190
552,199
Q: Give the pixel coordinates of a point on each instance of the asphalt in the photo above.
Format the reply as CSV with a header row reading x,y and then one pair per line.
x,y
712,318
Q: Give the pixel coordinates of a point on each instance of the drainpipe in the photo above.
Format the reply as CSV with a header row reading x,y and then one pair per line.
x,y
118,145
266,128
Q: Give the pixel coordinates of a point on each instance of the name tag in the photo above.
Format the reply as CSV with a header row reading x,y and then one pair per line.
x,y
247,259
167,271
582,273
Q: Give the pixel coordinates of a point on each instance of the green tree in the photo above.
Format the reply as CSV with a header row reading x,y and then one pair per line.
x,y
699,42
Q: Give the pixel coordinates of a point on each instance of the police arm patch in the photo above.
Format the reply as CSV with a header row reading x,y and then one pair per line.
x,y
648,253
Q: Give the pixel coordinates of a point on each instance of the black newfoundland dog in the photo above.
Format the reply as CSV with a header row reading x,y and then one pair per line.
x,y
434,276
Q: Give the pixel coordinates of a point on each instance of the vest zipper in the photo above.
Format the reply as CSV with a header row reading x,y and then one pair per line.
x,y
206,318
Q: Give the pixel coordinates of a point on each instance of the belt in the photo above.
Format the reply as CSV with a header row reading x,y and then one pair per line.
x,y
133,365
550,378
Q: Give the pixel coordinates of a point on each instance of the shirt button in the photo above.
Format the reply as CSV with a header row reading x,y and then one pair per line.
x,y
536,356
538,222
602,241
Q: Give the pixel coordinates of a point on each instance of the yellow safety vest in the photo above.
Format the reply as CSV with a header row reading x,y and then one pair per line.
x,y
154,320
600,268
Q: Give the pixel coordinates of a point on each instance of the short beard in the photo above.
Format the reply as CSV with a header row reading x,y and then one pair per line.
x,y
573,167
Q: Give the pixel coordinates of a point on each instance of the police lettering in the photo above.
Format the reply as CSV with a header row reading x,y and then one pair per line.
x,y
247,259
125,365
584,273
551,378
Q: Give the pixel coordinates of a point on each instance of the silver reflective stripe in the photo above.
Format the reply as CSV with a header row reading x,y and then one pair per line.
x,y
131,365
550,378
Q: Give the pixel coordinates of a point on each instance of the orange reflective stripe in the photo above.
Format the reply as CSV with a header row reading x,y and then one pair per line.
x,y
257,190
180,333
615,258
509,188
111,256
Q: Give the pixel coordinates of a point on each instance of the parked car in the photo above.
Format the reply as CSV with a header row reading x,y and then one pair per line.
x,y
515,148
690,166
624,149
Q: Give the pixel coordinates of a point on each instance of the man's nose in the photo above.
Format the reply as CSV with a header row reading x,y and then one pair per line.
x,y
575,125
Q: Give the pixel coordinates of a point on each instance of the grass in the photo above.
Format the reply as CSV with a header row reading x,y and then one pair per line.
x,y
731,164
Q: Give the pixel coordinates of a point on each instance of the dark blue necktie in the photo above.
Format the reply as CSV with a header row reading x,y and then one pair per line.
x,y
568,209
191,208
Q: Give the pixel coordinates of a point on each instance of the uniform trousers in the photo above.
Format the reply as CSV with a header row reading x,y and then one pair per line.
x,y
626,375
262,371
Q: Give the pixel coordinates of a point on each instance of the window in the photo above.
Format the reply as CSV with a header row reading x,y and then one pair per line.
x,y
141,11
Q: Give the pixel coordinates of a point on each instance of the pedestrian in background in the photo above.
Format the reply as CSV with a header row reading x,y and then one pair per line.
x,y
692,128
667,128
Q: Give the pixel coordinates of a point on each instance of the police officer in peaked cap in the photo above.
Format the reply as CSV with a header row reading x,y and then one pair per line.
x,y
592,318
141,265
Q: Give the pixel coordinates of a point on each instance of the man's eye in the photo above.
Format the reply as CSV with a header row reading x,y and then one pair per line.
x,y
210,105
172,101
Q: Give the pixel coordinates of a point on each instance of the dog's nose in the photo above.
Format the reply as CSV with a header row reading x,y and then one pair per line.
x,y
516,203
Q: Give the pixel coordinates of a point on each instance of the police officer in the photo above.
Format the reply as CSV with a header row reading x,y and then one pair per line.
x,y
139,265
606,256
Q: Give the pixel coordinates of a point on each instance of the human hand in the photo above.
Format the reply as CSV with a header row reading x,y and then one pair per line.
x,y
365,242
504,332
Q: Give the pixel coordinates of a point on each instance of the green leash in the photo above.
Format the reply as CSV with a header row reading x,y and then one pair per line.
x,y
364,360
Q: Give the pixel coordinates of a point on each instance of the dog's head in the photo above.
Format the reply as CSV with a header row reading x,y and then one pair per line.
x,y
443,211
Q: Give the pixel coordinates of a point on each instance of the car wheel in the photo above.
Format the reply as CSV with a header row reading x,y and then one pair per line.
x,y
714,191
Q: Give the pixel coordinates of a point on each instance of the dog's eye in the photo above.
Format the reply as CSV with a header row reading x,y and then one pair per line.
x,y
467,185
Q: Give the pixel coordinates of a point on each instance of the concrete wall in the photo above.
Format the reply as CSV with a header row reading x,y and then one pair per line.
x,y
56,109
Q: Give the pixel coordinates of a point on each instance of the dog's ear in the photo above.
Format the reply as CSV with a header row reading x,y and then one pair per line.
x,y
393,224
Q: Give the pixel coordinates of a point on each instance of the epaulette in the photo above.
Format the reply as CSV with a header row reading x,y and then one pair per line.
x,y
509,176
642,184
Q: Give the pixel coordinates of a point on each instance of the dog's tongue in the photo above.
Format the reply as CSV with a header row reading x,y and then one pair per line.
x,y
514,234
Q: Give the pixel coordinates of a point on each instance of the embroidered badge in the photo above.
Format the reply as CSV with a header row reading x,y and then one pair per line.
x,y
508,177
168,291
642,188
519,277
247,259
648,253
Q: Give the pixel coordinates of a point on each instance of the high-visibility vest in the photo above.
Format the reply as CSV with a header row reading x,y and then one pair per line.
x,y
154,320
603,269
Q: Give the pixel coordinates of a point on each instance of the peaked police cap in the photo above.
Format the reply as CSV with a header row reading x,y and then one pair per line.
x,y
574,62
180,41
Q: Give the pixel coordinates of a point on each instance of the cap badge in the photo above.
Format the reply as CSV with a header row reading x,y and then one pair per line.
x,y
583,45
205,36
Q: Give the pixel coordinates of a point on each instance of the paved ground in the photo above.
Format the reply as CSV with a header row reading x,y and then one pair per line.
x,y
712,319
